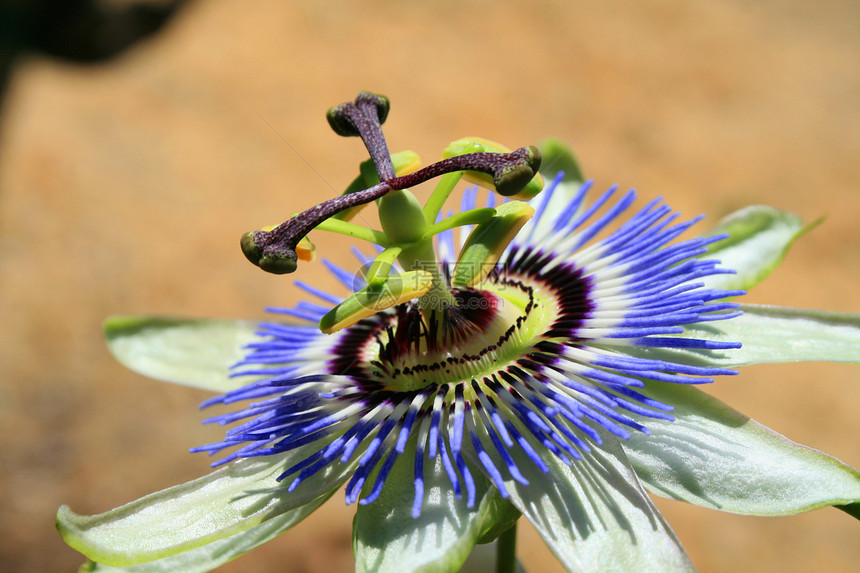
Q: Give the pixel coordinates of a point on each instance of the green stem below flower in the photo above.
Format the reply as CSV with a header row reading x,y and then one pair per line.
x,y
506,551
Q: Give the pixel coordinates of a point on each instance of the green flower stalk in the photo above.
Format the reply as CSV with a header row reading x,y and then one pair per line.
x,y
534,355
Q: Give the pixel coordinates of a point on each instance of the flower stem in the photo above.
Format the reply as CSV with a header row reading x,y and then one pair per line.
x,y
506,551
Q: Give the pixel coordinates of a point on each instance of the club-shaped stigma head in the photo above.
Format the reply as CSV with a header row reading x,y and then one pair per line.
x,y
345,119
275,258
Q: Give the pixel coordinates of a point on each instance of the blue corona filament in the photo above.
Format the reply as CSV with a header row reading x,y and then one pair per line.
x,y
547,367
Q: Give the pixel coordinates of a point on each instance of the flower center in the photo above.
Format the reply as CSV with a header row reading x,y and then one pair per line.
x,y
494,325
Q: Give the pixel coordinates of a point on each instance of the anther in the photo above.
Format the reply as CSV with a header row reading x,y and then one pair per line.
x,y
510,178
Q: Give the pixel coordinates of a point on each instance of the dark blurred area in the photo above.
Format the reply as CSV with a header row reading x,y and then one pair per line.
x,y
126,182
81,31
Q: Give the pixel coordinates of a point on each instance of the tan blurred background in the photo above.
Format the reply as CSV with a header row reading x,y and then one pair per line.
x,y
124,188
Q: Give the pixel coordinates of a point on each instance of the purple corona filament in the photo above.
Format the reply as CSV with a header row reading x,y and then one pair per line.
x,y
575,383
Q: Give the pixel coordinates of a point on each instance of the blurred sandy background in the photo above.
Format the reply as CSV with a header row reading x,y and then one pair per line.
x,y
124,189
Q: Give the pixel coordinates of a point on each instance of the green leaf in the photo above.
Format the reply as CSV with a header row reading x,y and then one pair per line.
x,y
192,352
217,553
226,502
387,538
770,334
716,457
594,515
759,238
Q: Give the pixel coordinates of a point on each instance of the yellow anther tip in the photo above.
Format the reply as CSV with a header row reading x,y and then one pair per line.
x,y
306,250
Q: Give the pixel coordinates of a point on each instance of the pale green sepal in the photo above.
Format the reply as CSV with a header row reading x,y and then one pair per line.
x,y
759,238
769,334
716,457
187,516
594,515
217,553
192,352
387,538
